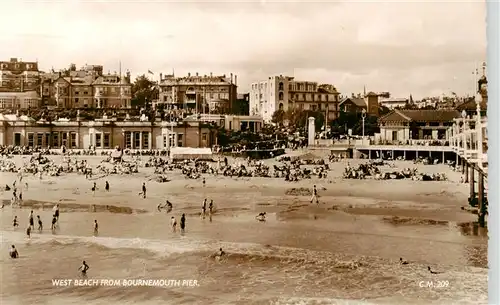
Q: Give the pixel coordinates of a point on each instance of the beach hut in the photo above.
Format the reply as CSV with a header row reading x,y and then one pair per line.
x,y
188,153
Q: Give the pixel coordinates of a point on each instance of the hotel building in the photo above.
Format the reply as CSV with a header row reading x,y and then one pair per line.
x,y
284,92
201,93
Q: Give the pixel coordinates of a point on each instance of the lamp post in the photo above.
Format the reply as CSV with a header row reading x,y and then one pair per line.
x,y
363,116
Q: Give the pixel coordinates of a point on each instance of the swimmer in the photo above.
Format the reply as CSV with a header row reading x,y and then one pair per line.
x,y
219,254
261,216
96,227
13,252
14,222
402,262
40,224
84,268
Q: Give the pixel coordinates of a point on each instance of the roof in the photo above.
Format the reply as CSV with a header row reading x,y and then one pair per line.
x,y
420,116
371,93
471,105
394,100
14,117
355,100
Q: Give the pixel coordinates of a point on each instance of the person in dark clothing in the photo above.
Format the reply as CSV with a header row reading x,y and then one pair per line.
x,y
143,193
183,223
106,187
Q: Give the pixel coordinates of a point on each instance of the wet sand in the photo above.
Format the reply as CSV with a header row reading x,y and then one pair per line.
x,y
356,221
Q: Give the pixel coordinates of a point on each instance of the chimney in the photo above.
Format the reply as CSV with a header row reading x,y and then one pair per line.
x,y
210,74
189,74
236,79
161,76
231,78
352,95
196,73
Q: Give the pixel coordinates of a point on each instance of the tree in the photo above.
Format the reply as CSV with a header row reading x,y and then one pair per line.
x,y
278,117
144,91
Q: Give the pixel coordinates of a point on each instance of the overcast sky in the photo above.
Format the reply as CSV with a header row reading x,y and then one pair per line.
x,y
420,48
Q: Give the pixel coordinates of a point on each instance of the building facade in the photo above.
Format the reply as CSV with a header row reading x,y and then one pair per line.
x,y
202,93
86,88
20,100
284,92
103,134
18,76
231,122
401,126
353,104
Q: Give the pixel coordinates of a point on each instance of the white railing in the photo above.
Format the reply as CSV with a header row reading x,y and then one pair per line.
x,y
468,138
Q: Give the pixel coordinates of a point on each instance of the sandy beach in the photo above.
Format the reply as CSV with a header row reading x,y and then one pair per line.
x,y
368,223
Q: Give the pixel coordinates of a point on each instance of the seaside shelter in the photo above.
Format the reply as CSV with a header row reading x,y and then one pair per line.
x,y
189,153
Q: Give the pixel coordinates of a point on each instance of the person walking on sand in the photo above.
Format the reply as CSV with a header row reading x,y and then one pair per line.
x,y
211,207
54,222
106,187
15,223
94,188
183,223
315,195
40,224
173,223
96,228
28,231
143,193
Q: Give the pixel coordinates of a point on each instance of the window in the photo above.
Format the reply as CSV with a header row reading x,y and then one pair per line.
x,y
73,140
55,139
98,140
280,86
165,144
76,100
145,140
281,107
64,139
314,107
47,139
180,139
17,139
137,140
106,140
39,139
31,139
280,96
394,135
128,139
204,137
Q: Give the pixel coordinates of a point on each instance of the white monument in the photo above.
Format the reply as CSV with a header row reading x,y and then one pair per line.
x,y
311,131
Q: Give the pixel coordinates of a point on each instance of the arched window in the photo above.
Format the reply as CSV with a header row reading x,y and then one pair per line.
x,y
281,106
280,86
280,96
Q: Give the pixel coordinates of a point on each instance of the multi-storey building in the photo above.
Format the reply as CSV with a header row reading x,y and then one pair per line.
x,y
19,100
19,76
283,93
207,93
86,88
105,133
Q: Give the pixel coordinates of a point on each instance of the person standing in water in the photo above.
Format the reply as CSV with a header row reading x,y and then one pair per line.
x,y
28,231
56,211
204,208
315,195
183,223
84,268
15,224
40,224
106,186
173,223
54,222
31,220
13,252
211,207
96,228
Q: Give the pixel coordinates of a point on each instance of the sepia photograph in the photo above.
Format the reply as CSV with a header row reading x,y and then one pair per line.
x,y
243,152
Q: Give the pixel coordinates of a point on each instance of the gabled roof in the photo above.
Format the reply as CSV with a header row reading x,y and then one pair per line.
x,y
371,93
355,100
471,105
420,116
